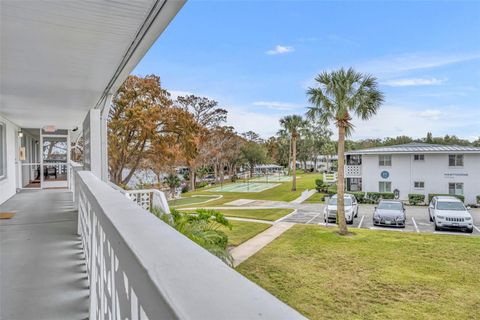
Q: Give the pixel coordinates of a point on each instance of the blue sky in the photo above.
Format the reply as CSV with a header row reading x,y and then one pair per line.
x,y
257,58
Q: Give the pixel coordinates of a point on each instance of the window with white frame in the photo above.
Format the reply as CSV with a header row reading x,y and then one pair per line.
x,y
455,188
419,184
455,160
384,186
385,160
3,151
419,157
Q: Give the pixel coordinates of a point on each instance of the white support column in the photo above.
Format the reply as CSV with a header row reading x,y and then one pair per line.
x,y
95,137
104,136
92,158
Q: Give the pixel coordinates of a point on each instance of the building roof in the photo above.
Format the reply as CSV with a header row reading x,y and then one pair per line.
x,y
417,147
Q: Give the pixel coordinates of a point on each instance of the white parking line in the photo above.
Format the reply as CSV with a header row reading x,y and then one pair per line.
x,y
415,224
361,221
313,218
478,229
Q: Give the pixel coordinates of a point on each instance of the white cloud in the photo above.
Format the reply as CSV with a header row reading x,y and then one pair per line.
x,y
276,105
280,50
395,120
174,94
414,82
412,61
390,121
266,125
430,114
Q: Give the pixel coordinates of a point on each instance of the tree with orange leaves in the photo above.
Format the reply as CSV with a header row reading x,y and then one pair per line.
x,y
143,118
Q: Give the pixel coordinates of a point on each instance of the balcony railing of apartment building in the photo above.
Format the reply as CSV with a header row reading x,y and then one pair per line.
x,y
353,171
330,177
141,268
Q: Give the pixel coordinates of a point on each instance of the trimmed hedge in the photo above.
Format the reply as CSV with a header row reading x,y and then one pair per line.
x,y
377,196
431,195
359,195
416,198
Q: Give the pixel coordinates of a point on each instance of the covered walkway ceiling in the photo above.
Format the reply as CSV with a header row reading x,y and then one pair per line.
x,y
59,58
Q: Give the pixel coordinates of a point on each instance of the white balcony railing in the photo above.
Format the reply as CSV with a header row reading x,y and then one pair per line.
x,y
73,168
146,198
141,268
330,177
353,171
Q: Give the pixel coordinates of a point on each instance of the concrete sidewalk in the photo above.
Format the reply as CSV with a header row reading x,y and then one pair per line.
x,y
304,196
255,244
42,266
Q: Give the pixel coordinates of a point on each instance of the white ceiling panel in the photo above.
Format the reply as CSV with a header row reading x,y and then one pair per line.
x,y
58,57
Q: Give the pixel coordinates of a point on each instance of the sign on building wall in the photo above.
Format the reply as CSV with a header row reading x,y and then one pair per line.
x,y
384,174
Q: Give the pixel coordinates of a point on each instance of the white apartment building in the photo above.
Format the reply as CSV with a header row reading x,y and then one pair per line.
x,y
415,168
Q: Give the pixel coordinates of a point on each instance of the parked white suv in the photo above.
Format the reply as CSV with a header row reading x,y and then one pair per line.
x,y
450,213
351,209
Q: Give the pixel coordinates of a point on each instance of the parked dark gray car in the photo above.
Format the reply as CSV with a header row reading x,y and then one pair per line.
x,y
389,213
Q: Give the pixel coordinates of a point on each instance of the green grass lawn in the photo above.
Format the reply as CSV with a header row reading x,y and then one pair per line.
x,y
371,275
316,198
281,193
242,231
190,200
260,214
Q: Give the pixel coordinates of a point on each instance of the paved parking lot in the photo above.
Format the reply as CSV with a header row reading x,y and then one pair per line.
x,y
417,219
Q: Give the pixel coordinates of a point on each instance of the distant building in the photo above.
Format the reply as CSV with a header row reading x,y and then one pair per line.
x,y
323,163
415,168
263,169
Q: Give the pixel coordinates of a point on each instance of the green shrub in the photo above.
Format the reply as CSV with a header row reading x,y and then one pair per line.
x,y
416,198
201,184
359,195
320,186
234,178
431,195
376,196
478,199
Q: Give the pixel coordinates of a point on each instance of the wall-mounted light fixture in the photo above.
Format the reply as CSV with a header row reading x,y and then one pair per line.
x,y
20,134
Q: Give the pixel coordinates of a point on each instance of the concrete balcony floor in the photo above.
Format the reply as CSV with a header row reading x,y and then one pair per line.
x,y
42,266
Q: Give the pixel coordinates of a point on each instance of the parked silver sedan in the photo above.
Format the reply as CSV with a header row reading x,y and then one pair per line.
x,y
389,213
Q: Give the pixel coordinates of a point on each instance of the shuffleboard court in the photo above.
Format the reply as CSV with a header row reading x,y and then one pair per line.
x,y
273,179
245,187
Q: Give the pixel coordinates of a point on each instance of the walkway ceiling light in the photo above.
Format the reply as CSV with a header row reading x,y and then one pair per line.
x,y
49,128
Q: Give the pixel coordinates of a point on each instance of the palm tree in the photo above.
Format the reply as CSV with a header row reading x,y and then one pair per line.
x,y
292,124
339,95
328,150
205,227
173,182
